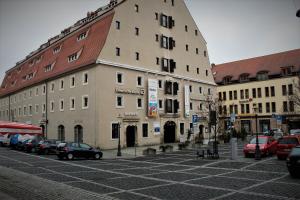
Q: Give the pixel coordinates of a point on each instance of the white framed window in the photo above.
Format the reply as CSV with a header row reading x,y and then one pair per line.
x,y
20,111
61,84
72,81
52,87
51,106
160,104
160,84
44,108
30,110
85,102
82,36
139,81
61,105
120,101
85,78
73,57
24,111
36,108
44,90
56,49
200,90
24,96
72,103
119,78
30,93
36,91
139,103
118,25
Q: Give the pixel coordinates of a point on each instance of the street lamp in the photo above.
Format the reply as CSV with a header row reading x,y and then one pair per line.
x,y
119,141
257,149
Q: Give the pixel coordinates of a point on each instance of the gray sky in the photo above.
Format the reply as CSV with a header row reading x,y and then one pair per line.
x,y
233,29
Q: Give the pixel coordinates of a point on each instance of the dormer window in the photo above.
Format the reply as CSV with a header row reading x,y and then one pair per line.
x,y
82,36
31,62
227,79
13,83
38,59
74,56
262,75
29,76
19,69
285,71
56,49
244,77
49,68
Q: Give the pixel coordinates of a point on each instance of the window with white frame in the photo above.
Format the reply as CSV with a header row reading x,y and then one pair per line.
x,y
30,110
119,101
36,108
44,89
52,86
85,101
119,78
56,49
24,110
61,84
139,103
85,78
73,57
44,108
51,106
61,105
36,91
82,36
72,81
72,103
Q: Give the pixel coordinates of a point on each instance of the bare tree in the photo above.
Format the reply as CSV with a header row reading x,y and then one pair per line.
x,y
295,96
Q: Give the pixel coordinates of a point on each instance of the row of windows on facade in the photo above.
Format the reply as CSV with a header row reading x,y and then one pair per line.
x,y
270,107
170,87
260,76
256,93
52,87
25,112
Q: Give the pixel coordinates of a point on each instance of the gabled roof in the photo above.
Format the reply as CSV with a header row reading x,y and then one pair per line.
x,y
88,50
270,63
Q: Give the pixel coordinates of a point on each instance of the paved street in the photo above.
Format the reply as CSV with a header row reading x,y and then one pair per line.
x,y
176,175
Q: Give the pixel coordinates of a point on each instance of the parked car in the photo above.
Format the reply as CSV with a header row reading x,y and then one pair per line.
x,y
267,146
277,133
285,145
295,132
70,150
293,162
21,145
31,145
2,138
47,146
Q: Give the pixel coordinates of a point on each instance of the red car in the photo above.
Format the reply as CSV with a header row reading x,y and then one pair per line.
x,y
285,146
267,146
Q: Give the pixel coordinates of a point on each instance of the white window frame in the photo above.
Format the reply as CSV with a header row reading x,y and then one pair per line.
x,y
137,104
30,94
30,111
61,109
36,108
52,107
72,98
61,88
123,77
71,78
82,103
20,111
162,108
37,91
44,88
83,78
52,88
123,101
44,108
142,81
24,111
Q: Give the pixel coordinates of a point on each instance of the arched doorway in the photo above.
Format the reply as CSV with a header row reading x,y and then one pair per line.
x,y
61,133
130,136
78,134
43,130
169,132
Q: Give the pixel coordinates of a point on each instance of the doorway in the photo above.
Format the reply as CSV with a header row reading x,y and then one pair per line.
x,y
130,136
169,132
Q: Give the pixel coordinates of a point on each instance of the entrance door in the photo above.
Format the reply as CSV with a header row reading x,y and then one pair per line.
x,y
169,132
130,136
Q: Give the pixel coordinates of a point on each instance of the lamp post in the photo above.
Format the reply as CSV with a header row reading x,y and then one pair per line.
x,y
119,141
257,149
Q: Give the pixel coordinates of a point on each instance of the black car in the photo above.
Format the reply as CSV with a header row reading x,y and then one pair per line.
x,y
70,150
293,162
47,146
31,145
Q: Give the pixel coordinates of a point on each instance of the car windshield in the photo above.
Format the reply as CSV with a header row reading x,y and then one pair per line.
x,y
288,141
85,146
260,141
295,132
295,151
61,144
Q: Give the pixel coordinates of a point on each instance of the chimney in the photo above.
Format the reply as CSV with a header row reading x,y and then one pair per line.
x,y
213,65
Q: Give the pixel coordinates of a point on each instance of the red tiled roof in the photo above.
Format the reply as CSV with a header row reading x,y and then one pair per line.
x,y
271,63
91,47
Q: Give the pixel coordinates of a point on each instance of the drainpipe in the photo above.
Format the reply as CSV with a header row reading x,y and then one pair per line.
x,y
9,108
46,111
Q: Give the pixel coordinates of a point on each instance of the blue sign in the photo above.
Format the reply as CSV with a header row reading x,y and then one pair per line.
x,y
195,119
279,118
232,117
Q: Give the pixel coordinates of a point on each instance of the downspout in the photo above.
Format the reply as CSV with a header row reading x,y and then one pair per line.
x,y
46,111
9,108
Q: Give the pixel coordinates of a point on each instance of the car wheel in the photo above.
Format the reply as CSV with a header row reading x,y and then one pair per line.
x,y
97,156
70,156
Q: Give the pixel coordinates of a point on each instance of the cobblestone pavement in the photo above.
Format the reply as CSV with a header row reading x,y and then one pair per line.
x,y
175,175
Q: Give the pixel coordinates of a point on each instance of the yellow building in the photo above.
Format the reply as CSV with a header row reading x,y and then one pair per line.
x,y
263,86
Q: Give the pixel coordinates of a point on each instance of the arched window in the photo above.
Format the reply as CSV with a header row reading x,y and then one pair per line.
x,y
61,133
78,134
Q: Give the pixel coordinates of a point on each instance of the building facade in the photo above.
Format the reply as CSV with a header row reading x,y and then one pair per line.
x,y
135,67
261,86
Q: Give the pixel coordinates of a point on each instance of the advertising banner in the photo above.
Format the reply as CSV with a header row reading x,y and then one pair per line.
x,y
187,100
156,126
152,98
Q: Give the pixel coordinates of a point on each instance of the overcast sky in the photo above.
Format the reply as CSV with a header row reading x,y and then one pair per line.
x,y
233,29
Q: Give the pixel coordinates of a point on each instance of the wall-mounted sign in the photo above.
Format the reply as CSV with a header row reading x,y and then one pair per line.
x,y
152,98
187,100
156,127
130,91
130,114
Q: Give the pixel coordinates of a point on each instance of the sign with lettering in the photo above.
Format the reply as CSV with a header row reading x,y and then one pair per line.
x,y
130,91
152,98
187,100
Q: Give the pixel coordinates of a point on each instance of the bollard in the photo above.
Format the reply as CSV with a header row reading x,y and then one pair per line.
x,y
233,145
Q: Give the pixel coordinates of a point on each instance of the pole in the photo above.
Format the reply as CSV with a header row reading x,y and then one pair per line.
x,y
119,141
257,150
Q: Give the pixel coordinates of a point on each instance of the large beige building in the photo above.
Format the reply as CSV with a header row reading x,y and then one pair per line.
x,y
138,63
263,86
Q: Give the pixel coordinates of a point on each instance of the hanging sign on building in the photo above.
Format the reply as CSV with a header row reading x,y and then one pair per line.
x,y
152,98
156,126
187,100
